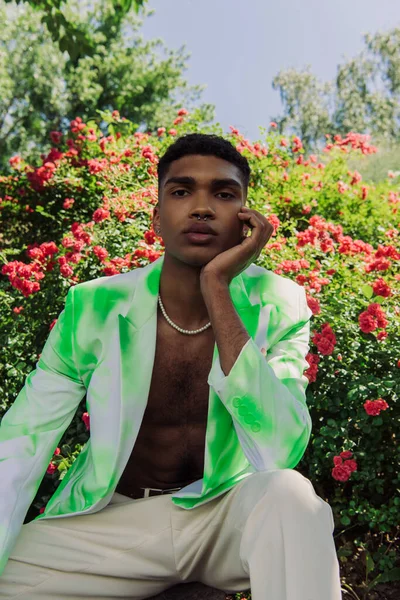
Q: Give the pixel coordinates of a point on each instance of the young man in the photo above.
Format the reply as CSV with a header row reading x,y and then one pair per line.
x,y
193,373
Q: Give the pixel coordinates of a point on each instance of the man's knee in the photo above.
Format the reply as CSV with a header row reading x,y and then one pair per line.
x,y
281,484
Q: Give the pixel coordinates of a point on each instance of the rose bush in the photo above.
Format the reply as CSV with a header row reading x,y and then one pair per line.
x,y
85,212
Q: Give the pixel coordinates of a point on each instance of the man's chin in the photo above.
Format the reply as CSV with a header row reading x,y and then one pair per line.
x,y
195,257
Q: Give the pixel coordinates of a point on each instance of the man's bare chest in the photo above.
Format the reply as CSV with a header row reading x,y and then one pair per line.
x,y
169,449
179,389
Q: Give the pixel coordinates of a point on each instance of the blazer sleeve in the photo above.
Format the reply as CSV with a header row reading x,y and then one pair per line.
x,y
266,396
32,427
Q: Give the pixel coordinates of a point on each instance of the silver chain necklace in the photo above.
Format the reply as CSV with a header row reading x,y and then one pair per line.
x,y
186,331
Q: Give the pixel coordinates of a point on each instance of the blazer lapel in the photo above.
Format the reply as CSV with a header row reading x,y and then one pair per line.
x,y
137,329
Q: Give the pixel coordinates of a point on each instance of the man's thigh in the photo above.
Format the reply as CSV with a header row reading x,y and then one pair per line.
x,y
208,540
124,550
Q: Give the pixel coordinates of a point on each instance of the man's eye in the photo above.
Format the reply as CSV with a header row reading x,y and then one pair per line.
x,y
226,193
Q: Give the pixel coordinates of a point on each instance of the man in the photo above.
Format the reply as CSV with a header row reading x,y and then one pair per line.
x,y
193,373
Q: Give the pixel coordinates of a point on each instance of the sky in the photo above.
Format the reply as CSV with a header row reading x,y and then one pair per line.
x,y
238,47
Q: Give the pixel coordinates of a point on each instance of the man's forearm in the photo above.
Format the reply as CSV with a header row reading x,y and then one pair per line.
x,y
230,333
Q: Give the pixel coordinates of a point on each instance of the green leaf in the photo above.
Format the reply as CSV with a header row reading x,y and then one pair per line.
x,y
65,449
370,562
92,124
64,44
125,4
353,394
389,384
367,291
345,520
392,575
42,211
105,115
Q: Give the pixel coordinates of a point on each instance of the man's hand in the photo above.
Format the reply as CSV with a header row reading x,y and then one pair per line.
x,y
227,265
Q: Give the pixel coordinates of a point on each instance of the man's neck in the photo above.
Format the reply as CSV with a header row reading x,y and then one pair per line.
x,y
181,294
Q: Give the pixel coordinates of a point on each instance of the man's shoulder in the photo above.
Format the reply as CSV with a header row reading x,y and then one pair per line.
x,y
270,285
106,293
265,287
108,282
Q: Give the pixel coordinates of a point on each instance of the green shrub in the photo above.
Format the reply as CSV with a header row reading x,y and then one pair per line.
x,y
86,212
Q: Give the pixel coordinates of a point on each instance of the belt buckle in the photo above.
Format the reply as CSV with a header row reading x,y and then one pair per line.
x,y
147,492
157,492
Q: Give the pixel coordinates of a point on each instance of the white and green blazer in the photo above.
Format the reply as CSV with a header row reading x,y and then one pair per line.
x,y
103,345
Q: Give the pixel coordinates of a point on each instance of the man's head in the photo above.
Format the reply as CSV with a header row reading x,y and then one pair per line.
x,y
203,158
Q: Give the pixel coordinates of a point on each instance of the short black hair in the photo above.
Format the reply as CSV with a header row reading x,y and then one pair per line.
x,y
206,145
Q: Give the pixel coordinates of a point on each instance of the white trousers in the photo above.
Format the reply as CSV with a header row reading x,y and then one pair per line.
x,y
271,533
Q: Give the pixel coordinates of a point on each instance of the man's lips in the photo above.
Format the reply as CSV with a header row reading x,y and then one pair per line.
x,y
200,228
196,236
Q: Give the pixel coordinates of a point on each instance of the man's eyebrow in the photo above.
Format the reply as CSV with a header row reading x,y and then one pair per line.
x,y
214,182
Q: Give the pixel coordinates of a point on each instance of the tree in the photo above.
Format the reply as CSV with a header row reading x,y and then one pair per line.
x,y
41,90
73,37
364,97
306,104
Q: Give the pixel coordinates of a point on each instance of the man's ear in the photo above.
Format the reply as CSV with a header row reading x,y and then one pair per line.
x,y
155,216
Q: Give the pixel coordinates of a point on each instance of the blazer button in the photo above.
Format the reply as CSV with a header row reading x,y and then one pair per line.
x,y
237,401
256,427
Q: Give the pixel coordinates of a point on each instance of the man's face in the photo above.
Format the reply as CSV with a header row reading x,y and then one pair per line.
x,y
181,203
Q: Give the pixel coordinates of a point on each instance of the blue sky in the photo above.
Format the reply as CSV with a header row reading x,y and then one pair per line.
x,y
238,47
